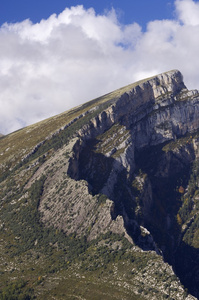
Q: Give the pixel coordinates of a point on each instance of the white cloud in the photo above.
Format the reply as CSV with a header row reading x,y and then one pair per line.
x,y
51,66
188,12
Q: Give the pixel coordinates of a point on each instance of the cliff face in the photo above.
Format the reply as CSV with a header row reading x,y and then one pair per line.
x,y
151,113
124,156
158,110
120,153
125,163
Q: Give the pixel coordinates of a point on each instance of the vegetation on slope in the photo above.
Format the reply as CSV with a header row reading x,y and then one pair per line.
x,y
50,264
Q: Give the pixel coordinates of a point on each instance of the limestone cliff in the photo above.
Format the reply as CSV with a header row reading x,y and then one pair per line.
x,y
120,168
120,153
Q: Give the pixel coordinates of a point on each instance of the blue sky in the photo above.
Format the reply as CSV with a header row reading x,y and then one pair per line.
x,y
55,55
129,11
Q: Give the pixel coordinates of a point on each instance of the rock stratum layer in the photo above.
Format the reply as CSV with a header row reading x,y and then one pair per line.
x,y
111,189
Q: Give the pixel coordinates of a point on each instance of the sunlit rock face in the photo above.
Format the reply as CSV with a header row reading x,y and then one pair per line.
x,y
119,154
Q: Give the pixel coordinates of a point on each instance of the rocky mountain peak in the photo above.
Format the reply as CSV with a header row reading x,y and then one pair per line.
x,y
157,109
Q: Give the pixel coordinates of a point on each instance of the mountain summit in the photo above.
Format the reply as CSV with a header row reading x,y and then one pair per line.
x,y
106,193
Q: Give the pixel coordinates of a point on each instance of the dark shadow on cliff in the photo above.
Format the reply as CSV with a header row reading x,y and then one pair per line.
x,y
187,267
96,168
168,171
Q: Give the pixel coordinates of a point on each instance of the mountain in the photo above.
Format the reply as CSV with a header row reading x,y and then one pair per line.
x,y
102,201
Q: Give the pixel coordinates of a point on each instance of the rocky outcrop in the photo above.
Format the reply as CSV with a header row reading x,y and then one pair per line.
x,y
155,111
122,156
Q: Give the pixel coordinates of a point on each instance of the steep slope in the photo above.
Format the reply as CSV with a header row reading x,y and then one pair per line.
x,y
107,193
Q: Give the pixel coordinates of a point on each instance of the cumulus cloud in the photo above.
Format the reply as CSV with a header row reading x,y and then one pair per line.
x,y
49,67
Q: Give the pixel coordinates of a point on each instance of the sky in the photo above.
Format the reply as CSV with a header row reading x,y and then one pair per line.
x,y
55,55
128,11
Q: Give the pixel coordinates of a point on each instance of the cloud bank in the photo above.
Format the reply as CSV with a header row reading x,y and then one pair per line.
x,y
49,67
